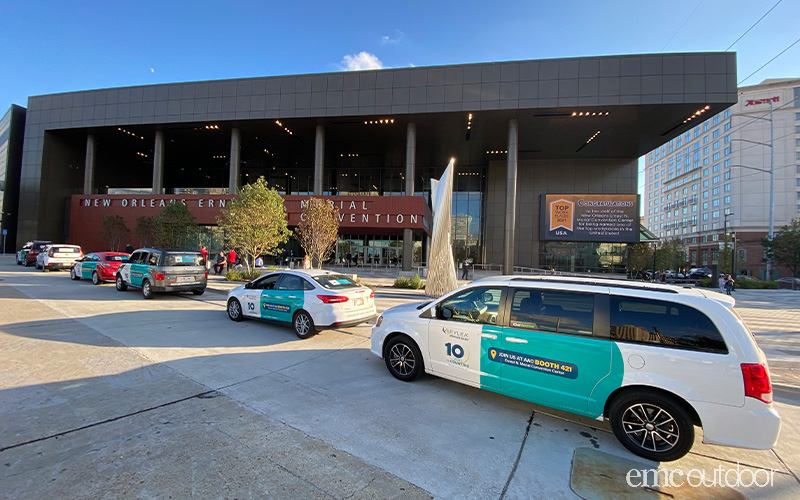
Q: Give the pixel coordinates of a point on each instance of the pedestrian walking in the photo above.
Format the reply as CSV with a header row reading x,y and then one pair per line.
x,y
465,269
729,284
721,283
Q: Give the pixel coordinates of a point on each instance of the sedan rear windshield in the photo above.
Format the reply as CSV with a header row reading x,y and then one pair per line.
x,y
116,258
66,250
335,281
183,259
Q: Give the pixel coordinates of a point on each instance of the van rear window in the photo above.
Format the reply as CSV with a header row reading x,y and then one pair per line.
x,y
183,259
664,323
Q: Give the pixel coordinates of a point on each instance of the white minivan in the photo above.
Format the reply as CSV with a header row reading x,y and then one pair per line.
x,y
656,360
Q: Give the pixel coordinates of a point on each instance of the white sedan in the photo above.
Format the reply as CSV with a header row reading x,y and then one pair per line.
x,y
307,299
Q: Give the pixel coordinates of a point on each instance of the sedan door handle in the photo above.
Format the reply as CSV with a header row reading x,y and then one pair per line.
x,y
515,340
488,336
292,296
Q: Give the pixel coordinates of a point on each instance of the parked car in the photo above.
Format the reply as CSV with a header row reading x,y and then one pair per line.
x,y
699,273
56,257
40,257
34,250
20,258
99,266
158,270
790,283
307,299
654,359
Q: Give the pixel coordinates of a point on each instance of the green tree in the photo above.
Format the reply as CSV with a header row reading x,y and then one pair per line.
x,y
255,221
639,257
318,229
174,227
671,255
113,231
144,230
784,248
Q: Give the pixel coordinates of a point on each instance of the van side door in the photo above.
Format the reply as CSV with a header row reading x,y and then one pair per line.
x,y
551,353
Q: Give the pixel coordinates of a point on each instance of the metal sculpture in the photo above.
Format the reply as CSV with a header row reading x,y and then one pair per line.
x,y
441,267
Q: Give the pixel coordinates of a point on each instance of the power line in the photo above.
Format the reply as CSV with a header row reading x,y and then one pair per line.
x,y
751,27
765,64
682,25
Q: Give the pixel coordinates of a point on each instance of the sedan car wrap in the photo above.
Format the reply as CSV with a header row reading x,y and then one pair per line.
x,y
98,266
308,300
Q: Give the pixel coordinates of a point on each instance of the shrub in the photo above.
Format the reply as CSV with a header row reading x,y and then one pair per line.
x,y
242,275
756,284
414,283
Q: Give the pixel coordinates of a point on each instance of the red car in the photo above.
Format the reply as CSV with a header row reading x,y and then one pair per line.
x,y
36,247
98,266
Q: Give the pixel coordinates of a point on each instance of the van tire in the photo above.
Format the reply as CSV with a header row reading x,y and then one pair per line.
x,y
652,425
403,358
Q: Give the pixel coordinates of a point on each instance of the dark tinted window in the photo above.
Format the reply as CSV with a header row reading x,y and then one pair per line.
x,y
552,311
267,282
664,323
138,257
291,282
116,258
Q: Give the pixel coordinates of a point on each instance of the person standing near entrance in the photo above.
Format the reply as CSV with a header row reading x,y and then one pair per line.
x,y
204,253
465,269
231,259
129,248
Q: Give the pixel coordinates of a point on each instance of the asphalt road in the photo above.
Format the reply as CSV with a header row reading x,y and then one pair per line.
x,y
106,395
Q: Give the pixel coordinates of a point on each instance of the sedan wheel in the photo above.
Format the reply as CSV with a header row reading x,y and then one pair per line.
x,y
303,325
652,426
235,310
403,359
96,278
73,274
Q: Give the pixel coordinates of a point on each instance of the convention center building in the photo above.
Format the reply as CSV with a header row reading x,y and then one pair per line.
x,y
546,153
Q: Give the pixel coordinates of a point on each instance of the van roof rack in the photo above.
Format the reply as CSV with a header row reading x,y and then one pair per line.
x,y
597,281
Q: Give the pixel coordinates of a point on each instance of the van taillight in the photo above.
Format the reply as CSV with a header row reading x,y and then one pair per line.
x,y
332,299
756,382
159,276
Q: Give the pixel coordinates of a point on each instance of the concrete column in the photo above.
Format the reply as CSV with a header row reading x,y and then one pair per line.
x,y
411,159
511,198
158,163
233,177
319,160
88,172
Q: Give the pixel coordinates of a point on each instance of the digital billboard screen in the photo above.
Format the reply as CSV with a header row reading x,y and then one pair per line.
x,y
607,218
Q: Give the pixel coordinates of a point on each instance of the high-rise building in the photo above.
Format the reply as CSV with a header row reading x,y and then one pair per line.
x,y
718,176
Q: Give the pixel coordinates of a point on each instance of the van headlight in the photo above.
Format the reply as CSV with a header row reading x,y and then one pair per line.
x,y
380,320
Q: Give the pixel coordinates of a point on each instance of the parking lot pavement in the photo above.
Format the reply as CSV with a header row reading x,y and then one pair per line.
x,y
105,395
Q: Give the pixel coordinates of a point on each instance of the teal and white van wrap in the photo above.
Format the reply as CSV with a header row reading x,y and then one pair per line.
x,y
564,372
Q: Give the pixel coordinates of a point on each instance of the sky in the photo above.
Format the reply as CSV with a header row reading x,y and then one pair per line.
x,y
68,45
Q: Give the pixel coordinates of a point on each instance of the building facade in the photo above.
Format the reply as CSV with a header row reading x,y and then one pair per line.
x,y
716,179
518,131
12,128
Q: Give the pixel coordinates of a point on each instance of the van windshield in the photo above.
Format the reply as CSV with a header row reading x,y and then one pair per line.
x,y
183,259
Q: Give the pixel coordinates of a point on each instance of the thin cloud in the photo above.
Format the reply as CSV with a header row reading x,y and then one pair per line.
x,y
360,61
398,37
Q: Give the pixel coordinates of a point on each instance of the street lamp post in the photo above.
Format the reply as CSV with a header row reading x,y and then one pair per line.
x,y
725,237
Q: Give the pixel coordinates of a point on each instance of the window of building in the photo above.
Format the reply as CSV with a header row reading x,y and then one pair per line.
x,y
705,194
715,168
715,145
716,155
715,215
727,200
727,139
727,151
727,187
727,163
727,113
705,205
705,183
716,120
715,134
705,126
715,191
727,126
715,203
715,180
705,138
